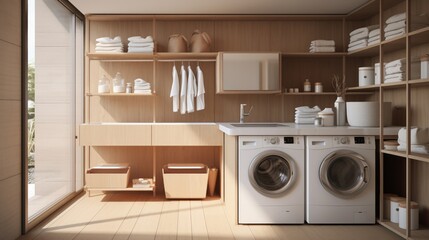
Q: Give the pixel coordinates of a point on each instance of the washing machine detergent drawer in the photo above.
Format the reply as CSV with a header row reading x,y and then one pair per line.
x,y
341,214
266,214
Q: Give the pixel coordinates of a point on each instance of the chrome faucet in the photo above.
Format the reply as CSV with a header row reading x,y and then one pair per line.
x,y
244,114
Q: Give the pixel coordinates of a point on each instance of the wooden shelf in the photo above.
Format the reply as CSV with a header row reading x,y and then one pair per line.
x,y
394,227
394,44
144,57
370,87
400,84
186,55
419,36
324,93
370,51
314,55
419,82
394,153
121,94
419,157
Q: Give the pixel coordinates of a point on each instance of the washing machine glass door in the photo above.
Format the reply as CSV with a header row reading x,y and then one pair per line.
x,y
272,172
344,173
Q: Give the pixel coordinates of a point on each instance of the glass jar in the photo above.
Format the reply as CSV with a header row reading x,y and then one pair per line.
x,y
118,83
103,85
307,86
129,88
318,87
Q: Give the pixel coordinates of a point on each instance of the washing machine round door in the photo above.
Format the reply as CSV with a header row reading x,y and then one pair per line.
x,y
344,173
272,172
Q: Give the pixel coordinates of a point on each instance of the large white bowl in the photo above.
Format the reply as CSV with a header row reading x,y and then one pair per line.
x,y
366,114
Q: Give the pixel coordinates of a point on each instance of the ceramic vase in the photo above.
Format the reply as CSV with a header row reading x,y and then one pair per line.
x,y
340,107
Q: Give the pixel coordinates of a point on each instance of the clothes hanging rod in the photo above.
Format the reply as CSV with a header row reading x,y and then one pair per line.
x,y
129,60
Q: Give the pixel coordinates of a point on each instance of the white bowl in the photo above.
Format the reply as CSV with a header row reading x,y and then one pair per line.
x,y
366,114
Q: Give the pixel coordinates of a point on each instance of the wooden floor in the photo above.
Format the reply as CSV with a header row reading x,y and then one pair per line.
x,y
136,216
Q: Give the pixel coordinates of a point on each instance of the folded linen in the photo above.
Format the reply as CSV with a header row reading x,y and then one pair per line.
x,y
116,39
397,62
354,48
359,42
363,30
109,45
140,50
142,91
134,44
422,149
400,76
307,109
139,39
373,42
305,116
107,50
357,37
395,26
396,35
418,135
374,32
322,49
141,88
322,43
395,69
374,38
304,120
396,18
393,80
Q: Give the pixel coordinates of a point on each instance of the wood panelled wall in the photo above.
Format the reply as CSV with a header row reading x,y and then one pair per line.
x,y
10,119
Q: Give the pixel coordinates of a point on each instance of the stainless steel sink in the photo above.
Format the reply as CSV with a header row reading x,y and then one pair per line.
x,y
258,125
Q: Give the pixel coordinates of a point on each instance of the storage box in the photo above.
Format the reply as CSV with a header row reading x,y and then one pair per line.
x,y
108,176
424,67
366,76
185,180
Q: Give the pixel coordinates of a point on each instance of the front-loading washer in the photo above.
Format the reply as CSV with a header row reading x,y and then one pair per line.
x,y
271,179
340,179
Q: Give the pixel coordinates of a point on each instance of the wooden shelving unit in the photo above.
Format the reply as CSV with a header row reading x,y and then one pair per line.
x,y
121,94
324,93
394,227
394,153
313,55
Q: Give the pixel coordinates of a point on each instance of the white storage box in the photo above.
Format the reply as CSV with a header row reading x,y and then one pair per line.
x,y
108,176
185,180
424,67
366,76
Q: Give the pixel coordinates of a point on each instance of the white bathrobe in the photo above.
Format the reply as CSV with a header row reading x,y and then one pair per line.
x,y
192,91
201,91
175,90
183,90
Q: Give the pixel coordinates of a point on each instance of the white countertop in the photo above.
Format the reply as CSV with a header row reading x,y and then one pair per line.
x,y
150,123
303,129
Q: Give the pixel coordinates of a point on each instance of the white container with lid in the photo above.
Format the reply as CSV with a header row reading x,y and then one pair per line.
x,y
366,76
394,208
307,86
377,73
318,87
327,116
414,215
103,85
386,204
118,83
424,67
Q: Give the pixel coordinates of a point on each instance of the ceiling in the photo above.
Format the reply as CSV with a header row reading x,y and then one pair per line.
x,y
217,6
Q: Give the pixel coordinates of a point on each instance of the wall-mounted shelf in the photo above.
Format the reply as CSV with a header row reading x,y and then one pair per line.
x,y
419,157
369,51
366,88
394,44
394,153
324,93
121,94
400,84
418,82
314,55
121,56
394,227
186,56
150,57
419,36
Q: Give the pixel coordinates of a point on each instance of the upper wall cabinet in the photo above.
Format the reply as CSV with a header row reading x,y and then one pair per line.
x,y
248,73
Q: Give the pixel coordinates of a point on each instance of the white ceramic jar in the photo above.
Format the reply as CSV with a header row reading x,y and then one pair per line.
x,y
424,67
377,73
414,215
327,116
394,208
366,76
386,204
103,85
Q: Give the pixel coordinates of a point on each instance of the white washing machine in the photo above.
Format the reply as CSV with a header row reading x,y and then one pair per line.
x,y
271,179
340,186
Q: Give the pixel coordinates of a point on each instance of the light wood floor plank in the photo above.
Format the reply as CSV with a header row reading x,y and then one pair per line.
x,y
147,223
107,221
184,224
130,221
69,225
199,229
241,232
292,232
167,228
216,220
263,232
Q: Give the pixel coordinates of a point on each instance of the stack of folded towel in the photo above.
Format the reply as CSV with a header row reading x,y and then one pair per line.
x,y
394,71
306,115
374,37
395,26
141,86
109,45
139,44
419,140
322,46
359,37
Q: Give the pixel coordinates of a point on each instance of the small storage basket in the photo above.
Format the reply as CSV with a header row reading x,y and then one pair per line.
x,y
188,181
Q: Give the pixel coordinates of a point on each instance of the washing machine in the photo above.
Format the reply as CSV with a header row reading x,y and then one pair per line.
x,y
271,180
340,179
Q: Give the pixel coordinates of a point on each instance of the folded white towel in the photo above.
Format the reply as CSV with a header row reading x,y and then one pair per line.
x,y
373,42
351,49
397,62
142,88
201,105
395,69
109,51
140,50
359,42
364,30
139,39
304,120
307,109
374,32
394,33
395,26
191,92
133,44
116,39
306,113
108,48
400,76
322,49
322,43
418,135
142,91
374,38
422,149
109,45
305,116
357,37
175,90
396,18
139,81
183,89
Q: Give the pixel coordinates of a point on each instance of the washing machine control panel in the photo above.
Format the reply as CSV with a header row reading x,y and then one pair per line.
x,y
348,140
276,140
